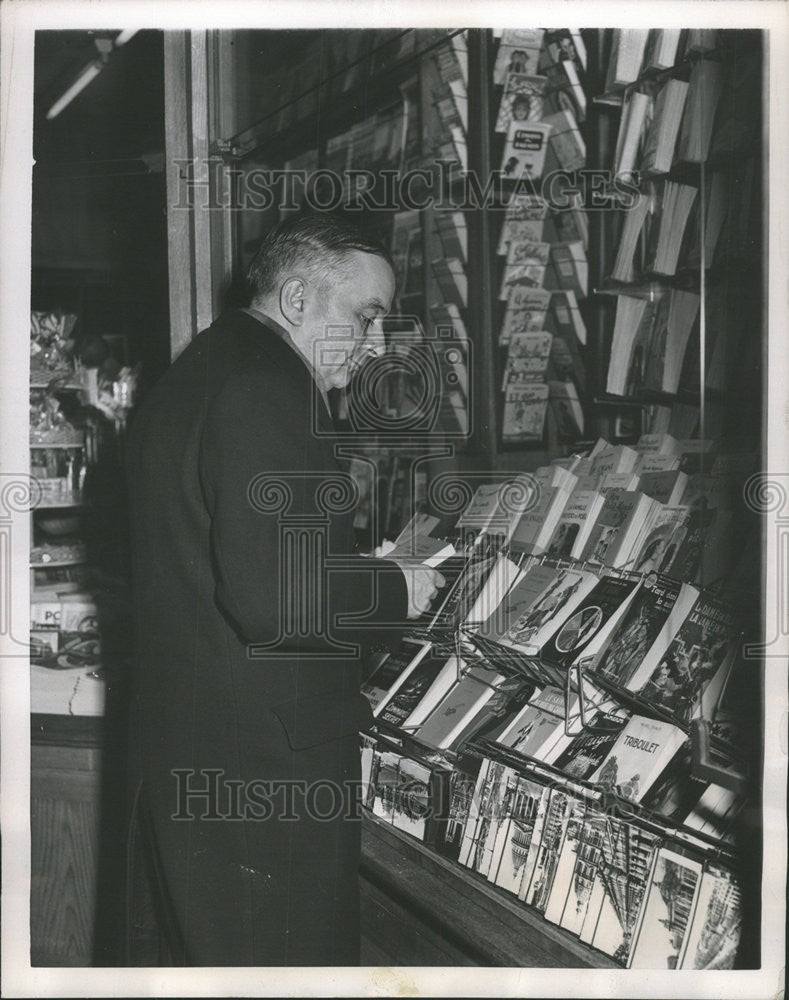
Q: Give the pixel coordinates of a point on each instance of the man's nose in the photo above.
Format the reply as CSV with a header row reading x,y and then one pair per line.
x,y
376,342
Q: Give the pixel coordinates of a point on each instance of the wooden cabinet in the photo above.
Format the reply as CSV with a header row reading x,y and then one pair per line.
x,y
65,803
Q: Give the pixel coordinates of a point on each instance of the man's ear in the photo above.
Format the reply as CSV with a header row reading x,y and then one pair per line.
x,y
291,301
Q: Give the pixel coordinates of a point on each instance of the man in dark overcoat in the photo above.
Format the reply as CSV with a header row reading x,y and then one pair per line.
x,y
251,613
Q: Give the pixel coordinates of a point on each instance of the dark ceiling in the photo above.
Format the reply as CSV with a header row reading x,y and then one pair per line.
x,y
120,114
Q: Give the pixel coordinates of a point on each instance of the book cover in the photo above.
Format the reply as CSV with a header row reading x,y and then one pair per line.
x,y
643,623
528,319
525,149
576,522
518,836
658,463
384,776
463,781
621,519
481,508
666,486
691,673
538,604
498,583
460,598
618,481
524,412
565,90
527,354
716,925
537,524
485,816
614,458
521,100
661,935
465,701
537,725
565,140
641,753
708,546
607,599
411,798
567,410
518,52
567,315
514,228
431,674
656,551
554,474
560,44
564,812
566,363
570,895
623,864
523,277
481,771
586,752
568,223
387,677
569,269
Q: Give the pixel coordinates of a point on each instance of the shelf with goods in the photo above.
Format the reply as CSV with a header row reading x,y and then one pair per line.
x,y
76,419
691,244
653,760
532,242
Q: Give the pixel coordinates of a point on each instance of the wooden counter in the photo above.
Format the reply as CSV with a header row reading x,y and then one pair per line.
x,y
65,801
421,909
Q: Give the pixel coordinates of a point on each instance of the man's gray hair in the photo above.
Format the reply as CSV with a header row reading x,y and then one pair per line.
x,y
317,242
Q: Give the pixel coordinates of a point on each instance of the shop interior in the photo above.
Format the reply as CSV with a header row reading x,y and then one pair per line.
x,y
573,330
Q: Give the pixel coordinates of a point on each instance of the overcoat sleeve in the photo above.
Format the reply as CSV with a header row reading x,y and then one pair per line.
x,y
283,560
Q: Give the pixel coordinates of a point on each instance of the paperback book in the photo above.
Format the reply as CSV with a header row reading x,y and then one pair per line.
x,y
538,605
433,676
660,938
387,678
576,523
596,613
623,867
565,812
716,924
643,750
518,52
690,674
521,100
645,629
619,527
517,839
524,412
525,149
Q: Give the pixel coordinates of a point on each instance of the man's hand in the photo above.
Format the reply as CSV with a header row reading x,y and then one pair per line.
x,y
423,585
